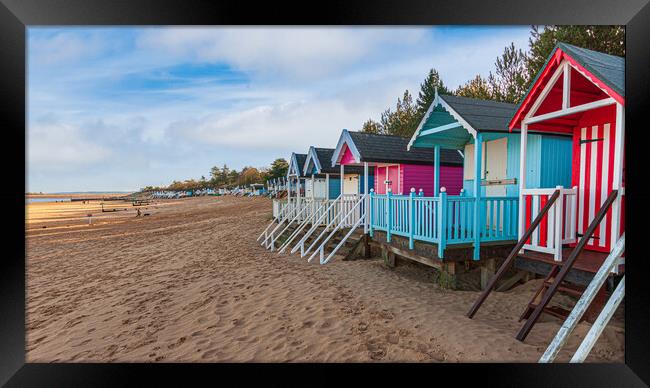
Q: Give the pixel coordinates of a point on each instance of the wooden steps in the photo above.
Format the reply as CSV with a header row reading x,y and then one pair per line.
x,y
564,287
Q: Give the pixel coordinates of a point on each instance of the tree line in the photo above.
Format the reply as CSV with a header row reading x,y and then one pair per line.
x,y
225,177
513,74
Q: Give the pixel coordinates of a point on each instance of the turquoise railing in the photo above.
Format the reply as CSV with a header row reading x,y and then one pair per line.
x,y
443,220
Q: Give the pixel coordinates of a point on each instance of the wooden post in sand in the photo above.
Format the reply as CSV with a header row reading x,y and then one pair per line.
x,y
487,271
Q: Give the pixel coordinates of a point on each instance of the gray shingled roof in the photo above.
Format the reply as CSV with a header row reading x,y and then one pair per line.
x,y
325,157
300,158
482,115
608,68
393,149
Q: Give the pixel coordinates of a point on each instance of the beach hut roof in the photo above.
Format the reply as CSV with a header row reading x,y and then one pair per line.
x,y
296,163
604,70
452,121
321,157
482,115
374,148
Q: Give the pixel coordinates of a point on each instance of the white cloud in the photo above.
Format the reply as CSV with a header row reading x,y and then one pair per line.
x,y
299,52
66,47
58,146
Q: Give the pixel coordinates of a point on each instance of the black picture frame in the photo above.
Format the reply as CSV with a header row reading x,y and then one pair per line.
x,y
17,15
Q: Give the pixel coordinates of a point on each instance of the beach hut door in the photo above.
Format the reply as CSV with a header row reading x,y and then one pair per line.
x,y
596,158
351,184
496,153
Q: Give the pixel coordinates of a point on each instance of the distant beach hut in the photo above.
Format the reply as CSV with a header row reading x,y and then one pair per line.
x,y
325,177
395,168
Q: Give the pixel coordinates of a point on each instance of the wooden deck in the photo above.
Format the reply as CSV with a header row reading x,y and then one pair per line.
x,y
583,270
453,253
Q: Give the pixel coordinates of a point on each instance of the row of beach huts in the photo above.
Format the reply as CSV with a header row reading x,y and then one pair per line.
x,y
535,188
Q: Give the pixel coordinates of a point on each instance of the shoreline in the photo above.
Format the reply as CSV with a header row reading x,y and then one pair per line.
x,y
78,195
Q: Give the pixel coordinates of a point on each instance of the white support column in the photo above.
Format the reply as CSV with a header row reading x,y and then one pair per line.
x,y
566,86
436,170
522,179
365,192
297,194
617,181
327,187
287,184
342,178
313,201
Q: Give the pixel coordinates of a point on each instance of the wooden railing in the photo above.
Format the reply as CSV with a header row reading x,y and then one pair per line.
x,y
558,227
443,220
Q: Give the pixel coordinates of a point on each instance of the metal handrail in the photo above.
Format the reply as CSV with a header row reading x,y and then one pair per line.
x,y
330,224
299,229
314,227
286,227
338,246
336,229
275,219
290,210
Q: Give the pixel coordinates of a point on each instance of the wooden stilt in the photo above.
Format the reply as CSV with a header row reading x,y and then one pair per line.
x,y
448,275
487,271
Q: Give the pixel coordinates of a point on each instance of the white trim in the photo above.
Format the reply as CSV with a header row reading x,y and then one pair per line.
x,y
547,88
441,128
617,181
604,186
440,101
566,86
312,155
581,188
573,109
592,177
424,119
345,138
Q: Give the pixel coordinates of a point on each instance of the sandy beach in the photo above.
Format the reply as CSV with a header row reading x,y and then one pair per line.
x,y
189,283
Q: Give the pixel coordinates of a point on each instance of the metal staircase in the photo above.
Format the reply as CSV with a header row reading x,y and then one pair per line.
x,y
353,218
310,219
332,212
280,218
295,214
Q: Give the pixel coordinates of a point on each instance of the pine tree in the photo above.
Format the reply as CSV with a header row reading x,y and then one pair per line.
x,y
478,87
428,92
510,81
371,126
606,39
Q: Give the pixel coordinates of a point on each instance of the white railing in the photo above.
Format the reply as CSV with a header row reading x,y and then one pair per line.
x,y
341,206
300,215
326,215
352,218
314,208
558,226
280,217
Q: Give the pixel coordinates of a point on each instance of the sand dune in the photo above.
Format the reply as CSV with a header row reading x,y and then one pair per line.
x,y
188,283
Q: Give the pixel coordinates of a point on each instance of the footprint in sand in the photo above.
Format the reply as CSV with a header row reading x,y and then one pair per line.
x,y
376,349
362,327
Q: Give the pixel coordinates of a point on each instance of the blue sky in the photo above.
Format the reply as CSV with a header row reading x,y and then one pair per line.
x,y
122,108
